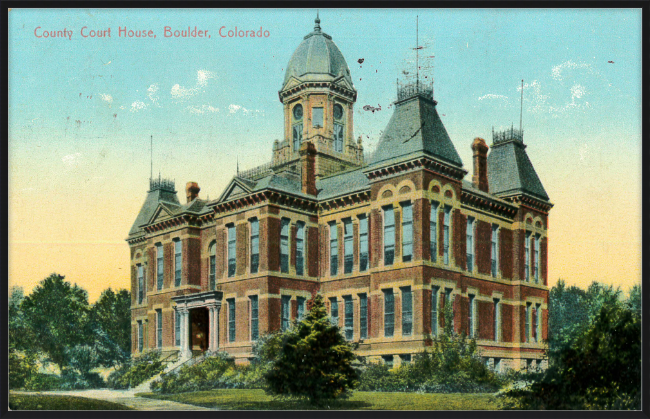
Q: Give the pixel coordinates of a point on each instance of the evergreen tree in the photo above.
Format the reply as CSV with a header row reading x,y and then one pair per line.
x,y
315,361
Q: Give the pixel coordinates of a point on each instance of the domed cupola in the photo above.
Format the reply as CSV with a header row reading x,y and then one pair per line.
x,y
318,98
317,58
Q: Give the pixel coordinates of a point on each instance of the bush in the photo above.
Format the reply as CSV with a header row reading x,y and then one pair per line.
x,y
214,372
137,371
452,365
21,369
601,369
43,382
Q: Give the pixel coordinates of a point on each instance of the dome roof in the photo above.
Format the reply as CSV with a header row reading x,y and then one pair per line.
x,y
317,58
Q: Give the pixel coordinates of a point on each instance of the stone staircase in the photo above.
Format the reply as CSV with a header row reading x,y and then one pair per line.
x,y
172,366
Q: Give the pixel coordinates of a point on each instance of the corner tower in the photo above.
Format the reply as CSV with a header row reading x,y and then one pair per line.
x,y
318,98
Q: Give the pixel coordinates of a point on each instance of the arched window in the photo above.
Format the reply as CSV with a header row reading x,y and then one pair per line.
x,y
213,265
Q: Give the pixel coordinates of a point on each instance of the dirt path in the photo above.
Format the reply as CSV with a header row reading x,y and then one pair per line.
x,y
124,397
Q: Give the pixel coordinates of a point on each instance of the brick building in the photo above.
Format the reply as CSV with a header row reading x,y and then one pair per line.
x,y
388,239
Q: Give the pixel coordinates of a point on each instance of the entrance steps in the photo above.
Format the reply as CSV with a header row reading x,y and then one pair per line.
x,y
173,367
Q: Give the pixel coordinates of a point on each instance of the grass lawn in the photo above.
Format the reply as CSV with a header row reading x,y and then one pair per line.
x,y
230,399
49,402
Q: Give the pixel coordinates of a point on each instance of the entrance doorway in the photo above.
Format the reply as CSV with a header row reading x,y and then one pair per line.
x,y
199,329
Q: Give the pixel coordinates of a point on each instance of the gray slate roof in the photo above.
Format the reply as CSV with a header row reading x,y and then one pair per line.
x,y
317,56
415,129
511,171
342,184
154,197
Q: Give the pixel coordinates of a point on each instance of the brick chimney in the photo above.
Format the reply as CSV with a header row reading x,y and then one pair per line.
x,y
479,178
192,191
308,161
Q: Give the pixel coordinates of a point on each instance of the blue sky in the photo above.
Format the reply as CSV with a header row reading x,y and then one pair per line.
x,y
81,111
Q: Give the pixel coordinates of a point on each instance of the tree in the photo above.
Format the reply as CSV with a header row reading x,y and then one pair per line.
x,y
599,369
20,336
57,314
315,361
110,322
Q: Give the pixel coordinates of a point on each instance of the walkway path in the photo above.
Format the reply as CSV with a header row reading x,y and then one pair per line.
x,y
124,397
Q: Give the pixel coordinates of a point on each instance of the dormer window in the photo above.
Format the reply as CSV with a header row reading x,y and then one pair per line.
x,y
317,117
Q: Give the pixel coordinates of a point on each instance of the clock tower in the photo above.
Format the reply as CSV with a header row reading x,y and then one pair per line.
x,y
318,98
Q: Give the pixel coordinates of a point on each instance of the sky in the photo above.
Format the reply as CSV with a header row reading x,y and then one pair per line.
x,y
83,110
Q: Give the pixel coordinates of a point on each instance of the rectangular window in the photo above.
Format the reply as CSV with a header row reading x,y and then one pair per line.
x,y
527,327
140,336
363,243
334,249
334,311
177,327
338,138
284,245
297,136
538,332
406,358
140,284
495,250
231,320
497,320
213,265
301,307
448,300
255,245
232,251
389,313
300,248
470,316
407,311
533,324
348,258
159,265
470,244
433,231
407,232
536,252
285,312
435,297
349,317
159,328
389,235
446,227
317,117
363,316
255,334
388,360
178,262
527,257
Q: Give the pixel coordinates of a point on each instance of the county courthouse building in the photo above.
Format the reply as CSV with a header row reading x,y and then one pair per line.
x,y
388,239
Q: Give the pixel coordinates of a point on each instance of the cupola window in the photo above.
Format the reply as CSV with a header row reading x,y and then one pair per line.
x,y
338,138
317,117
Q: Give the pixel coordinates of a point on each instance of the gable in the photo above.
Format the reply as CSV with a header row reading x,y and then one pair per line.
x,y
160,214
292,82
234,190
343,82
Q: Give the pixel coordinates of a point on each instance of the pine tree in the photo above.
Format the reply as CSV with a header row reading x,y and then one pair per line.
x,y
315,361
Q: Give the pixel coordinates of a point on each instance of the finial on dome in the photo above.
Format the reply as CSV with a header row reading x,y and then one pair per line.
x,y
317,26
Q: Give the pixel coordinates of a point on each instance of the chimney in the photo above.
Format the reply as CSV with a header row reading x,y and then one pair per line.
x,y
479,178
308,161
192,191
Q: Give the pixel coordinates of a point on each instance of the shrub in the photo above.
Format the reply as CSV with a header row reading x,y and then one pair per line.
x,y
43,382
137,371
452,365
21,369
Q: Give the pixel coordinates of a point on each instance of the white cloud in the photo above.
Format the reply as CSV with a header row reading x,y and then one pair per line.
x,y
152,93
71,159
179,92
106,97
557,71
537,101
202,109
138,106
235,108
493,96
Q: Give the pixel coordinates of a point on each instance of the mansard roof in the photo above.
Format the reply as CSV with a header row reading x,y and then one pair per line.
x,y
415,129
510,171
159,192
342,183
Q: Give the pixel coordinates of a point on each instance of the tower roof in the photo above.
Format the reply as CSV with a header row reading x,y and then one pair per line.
x,y
317,58
415,129
509,169
160,190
